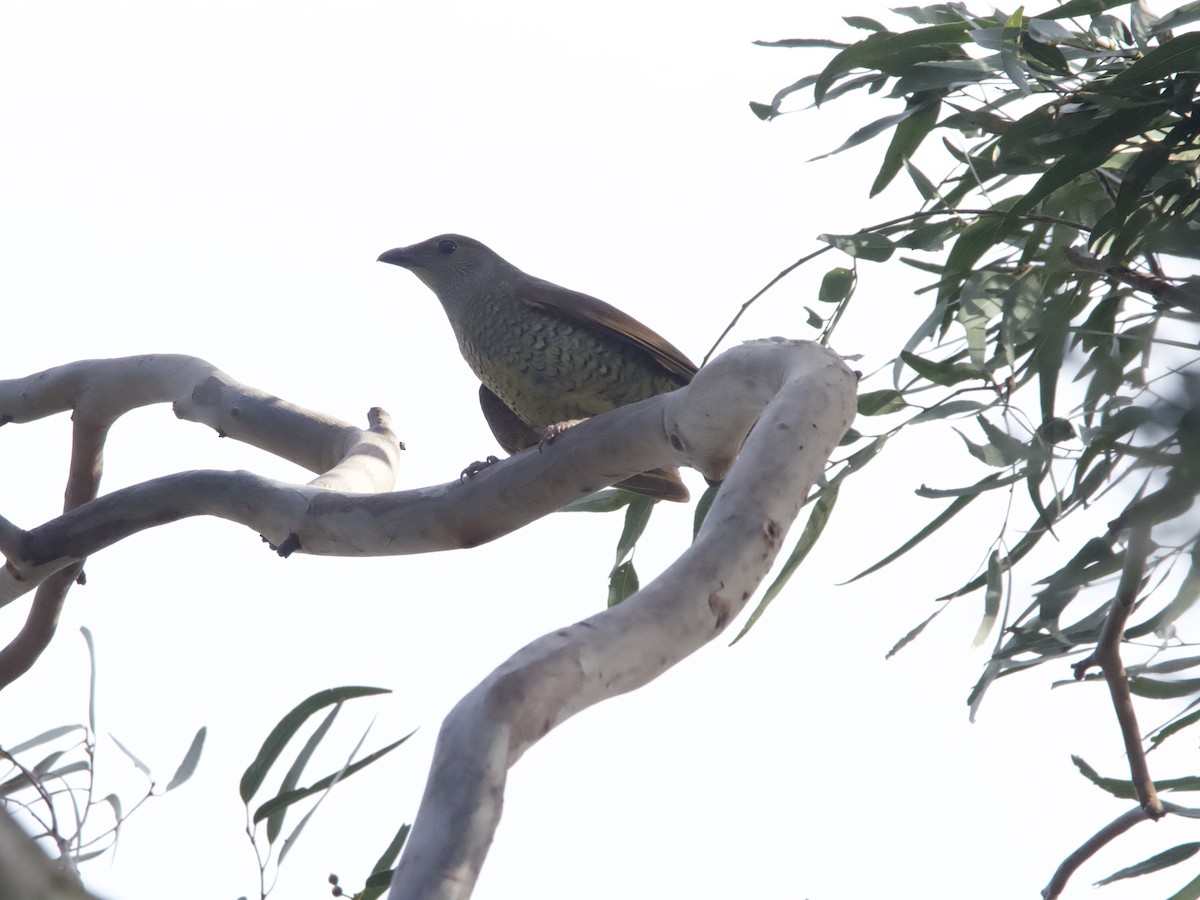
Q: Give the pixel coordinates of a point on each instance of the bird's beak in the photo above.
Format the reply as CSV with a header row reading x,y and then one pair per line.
x,y
398,257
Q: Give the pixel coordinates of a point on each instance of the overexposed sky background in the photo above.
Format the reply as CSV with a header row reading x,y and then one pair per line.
x,y
217,179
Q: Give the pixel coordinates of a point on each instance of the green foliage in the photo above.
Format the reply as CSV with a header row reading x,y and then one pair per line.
x,y
1057,242
1159,861
623,580
54,797
1062,245
274,809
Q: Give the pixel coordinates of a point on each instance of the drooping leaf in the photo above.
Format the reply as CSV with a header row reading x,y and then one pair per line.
x,y
284,800
290,841
803,42
296,769
934,14
1182,15
871,130
988,454
44,738
1010,51
1094,148
913,634
637,516
1191,890
1012,450
870,245
1174,728
1074,8
880,403
703,505
762,110
600,502
1094,560
837,285
993,670
1155,863
141,766
941,372
1027,542
894,53
1185,598
945,516
972,243
938,75
1158,689
929,192
766,112
1181,54
921,116
380,878
864,23
622,583
1115,786
1123,787
272,747
191,759
69,769
1043,54
945,410
1164,667
990,483
817,519
991,599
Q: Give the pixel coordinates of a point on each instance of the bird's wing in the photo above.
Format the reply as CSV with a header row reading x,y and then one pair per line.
x,y
574,306
510,431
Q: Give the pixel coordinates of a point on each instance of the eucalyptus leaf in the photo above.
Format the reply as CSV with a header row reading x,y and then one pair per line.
x,y
283,731
868,245
1155,863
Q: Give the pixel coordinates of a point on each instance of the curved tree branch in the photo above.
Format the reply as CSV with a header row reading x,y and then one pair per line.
x,y
809,398
702,426
1112,830
98,392
799,399
1107,656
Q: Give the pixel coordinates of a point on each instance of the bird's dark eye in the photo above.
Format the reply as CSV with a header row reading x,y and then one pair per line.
x,y
447,247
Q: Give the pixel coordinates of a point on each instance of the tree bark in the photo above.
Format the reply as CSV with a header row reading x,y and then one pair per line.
x,y
803,398
763,417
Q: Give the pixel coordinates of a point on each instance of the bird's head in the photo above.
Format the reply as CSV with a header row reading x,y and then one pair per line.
x,y
451,265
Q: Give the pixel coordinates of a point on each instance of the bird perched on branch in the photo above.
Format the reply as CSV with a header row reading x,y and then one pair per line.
x,y
545,355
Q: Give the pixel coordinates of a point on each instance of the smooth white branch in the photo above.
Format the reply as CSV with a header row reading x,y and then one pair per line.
x,y
802,399
702,426
97,392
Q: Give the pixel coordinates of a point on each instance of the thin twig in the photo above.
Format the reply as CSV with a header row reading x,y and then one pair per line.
x,y
40,625
1107,656
1183,293
912,217
1113,829
770,284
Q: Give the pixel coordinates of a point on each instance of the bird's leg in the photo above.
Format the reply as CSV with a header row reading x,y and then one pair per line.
x,y
476,467
550,432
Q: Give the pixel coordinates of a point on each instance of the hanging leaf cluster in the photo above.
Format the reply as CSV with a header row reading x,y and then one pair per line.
x,y
1061,244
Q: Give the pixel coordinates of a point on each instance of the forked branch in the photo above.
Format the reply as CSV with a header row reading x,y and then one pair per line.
x,y
805,396
97,392
1107,656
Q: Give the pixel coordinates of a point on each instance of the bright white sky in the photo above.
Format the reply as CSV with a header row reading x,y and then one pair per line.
x,y
216,178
